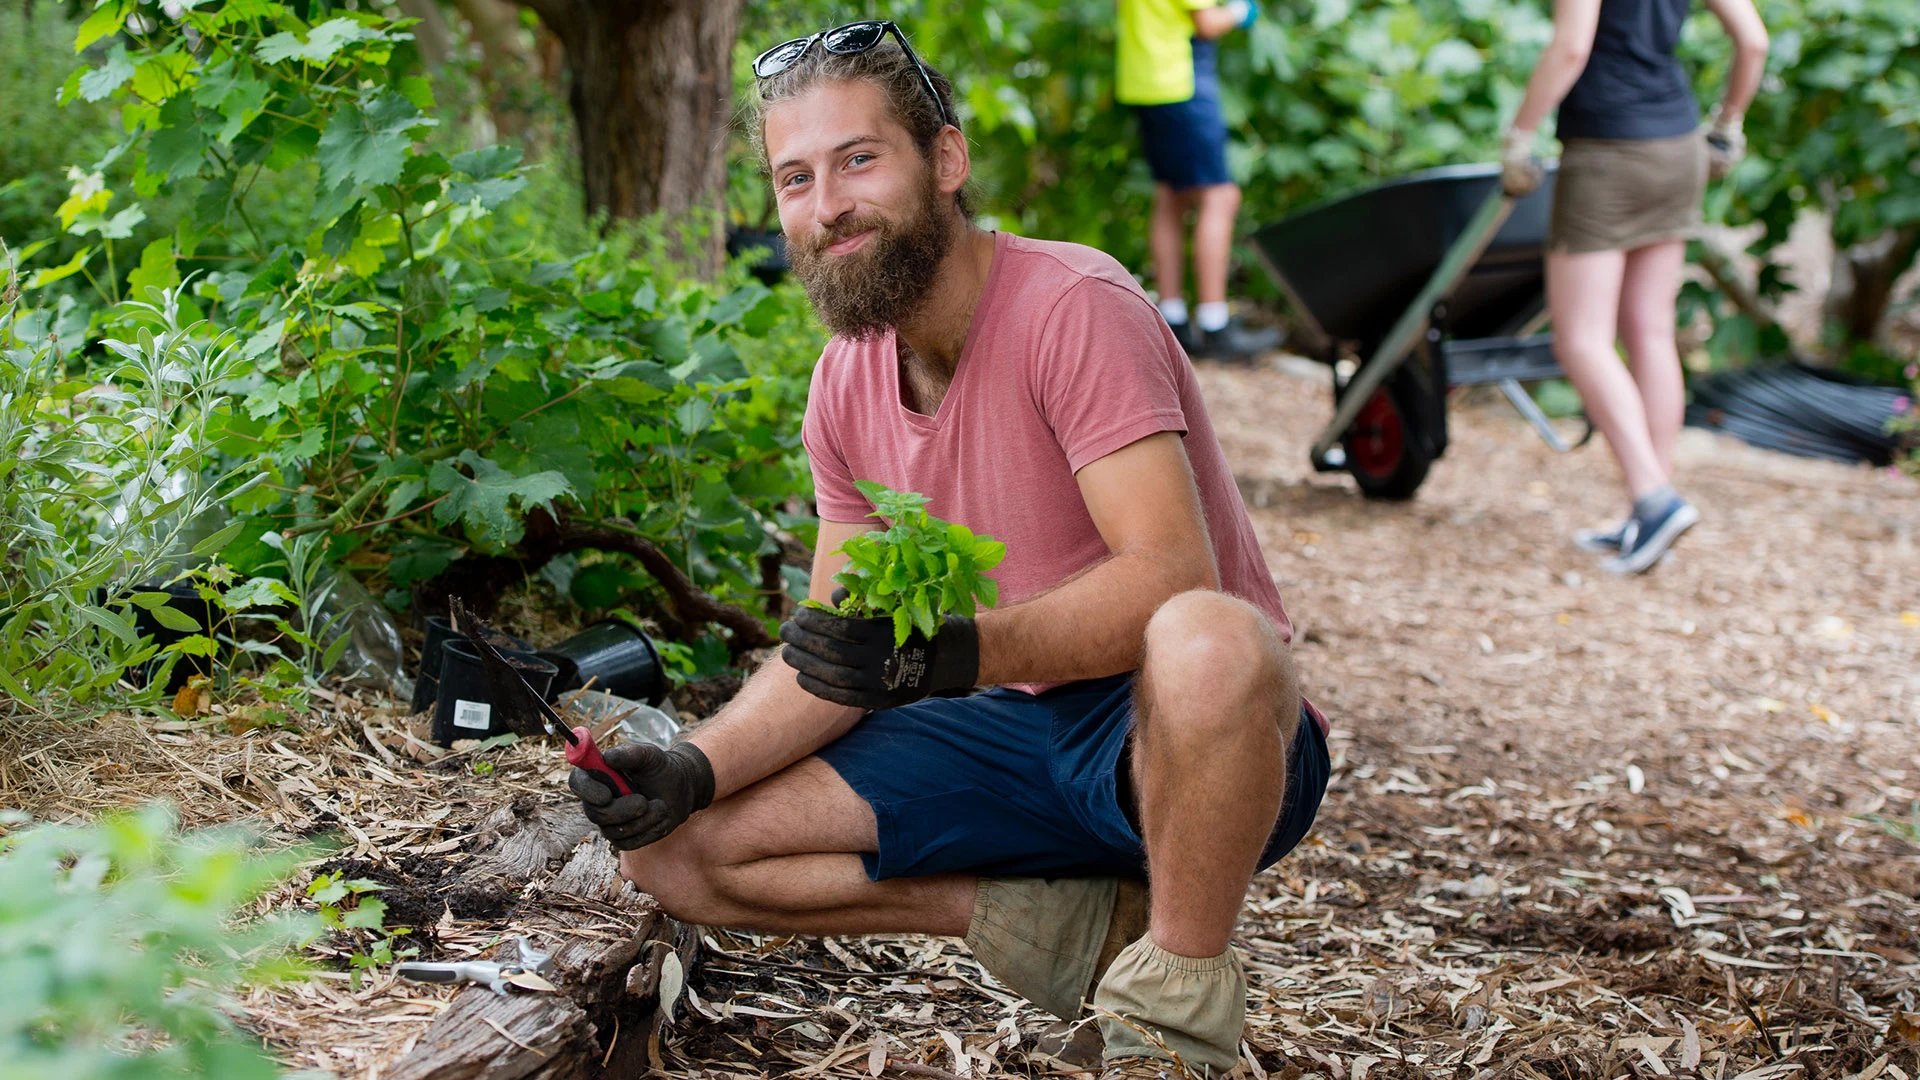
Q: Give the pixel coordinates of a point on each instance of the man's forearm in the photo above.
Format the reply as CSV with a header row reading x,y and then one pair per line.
x,y
1092,625
770,724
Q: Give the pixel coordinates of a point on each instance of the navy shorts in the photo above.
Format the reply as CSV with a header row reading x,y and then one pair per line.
x,y
1009,783
1186,141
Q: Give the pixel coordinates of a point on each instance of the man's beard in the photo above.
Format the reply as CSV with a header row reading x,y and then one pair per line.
x,y
885,281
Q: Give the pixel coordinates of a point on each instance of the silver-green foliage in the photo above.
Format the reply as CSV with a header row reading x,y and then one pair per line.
x,y
101,479
119,942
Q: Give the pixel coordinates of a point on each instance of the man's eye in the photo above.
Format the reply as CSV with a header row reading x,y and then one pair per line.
x,y
859,159
796,178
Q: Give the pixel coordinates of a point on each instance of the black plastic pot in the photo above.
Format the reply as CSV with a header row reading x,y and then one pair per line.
x,y
773,266
613,656
439,632
187,600
464,708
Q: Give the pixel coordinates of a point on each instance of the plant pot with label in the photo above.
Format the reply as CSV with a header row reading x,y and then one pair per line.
x,y
464,707
439,631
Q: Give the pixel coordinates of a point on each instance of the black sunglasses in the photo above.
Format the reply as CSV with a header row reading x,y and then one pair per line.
x,y
845,41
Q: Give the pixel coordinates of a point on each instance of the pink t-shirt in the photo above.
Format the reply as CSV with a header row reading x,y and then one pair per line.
x,y
1066,361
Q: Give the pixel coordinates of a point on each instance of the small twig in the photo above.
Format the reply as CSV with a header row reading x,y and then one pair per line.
x,y
495,1025
914,1068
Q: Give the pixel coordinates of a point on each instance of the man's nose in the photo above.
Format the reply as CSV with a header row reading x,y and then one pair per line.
x,y
832,201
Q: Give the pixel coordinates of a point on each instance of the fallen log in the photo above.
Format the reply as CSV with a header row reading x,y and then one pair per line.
x,y
609,943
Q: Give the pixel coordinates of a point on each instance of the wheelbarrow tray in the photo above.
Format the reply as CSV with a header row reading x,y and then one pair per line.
x,y
1430,281
1351,264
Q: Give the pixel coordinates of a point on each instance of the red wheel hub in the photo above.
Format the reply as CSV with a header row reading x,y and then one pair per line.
x,y
1378,437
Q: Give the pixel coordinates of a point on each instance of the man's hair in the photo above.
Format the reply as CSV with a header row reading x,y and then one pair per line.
x,y
885,66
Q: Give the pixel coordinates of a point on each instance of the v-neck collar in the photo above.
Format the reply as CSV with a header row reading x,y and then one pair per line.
x,y
974,323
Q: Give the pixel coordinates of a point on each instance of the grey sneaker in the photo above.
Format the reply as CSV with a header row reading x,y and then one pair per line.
x,y
1644,541
1600,541
1237,341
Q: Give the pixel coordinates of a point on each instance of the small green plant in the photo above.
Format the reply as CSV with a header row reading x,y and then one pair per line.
x,y
919,569
120,940
346,906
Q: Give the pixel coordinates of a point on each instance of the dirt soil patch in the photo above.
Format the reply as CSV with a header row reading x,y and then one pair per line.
x,y
1578,826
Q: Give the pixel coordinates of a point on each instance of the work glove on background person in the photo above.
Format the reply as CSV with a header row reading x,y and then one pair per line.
x,y
669,786
854,662
1726,145
1520,171
1243,11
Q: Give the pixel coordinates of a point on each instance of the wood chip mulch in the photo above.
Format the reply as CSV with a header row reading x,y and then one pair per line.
x,y
1578,827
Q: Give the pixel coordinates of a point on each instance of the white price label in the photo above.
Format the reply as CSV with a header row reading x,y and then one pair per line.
x,y
472,714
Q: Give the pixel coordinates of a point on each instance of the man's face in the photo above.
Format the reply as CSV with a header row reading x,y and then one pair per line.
x,y
866,217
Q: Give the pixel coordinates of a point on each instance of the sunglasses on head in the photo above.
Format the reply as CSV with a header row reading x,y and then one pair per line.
x,y
846,40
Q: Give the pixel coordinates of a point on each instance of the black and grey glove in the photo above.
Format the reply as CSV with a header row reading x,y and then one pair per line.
x,y
669,786
854,662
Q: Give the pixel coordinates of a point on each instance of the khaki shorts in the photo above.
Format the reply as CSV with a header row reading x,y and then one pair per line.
x,y
1621,194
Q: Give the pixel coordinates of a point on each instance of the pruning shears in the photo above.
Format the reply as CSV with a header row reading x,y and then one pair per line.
x,y
529,972
526,712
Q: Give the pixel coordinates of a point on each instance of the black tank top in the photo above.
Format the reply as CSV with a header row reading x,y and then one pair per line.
x,y
1632,87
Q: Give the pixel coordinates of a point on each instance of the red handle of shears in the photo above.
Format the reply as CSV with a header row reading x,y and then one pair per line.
x,y
582,754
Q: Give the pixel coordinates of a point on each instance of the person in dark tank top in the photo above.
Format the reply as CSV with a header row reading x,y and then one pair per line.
x,y
1634,162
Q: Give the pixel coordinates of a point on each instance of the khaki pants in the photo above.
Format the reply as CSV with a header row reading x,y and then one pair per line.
x,y
1044,939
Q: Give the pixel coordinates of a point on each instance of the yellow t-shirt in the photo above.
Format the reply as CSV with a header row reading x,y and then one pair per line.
x,y
1156,51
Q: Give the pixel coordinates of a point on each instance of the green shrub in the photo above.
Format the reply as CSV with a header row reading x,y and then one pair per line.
x,y
118,942
415,383
103,481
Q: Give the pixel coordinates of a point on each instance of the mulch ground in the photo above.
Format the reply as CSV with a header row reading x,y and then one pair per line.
x,y
1578,826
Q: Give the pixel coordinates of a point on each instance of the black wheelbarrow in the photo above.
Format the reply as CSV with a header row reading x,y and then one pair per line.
x,y
1424,283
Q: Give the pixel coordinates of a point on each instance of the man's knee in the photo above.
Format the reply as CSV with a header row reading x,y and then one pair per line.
x,y
1221,198
1202,644
685,870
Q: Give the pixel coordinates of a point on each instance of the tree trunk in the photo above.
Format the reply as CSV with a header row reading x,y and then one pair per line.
x,y
1864,277
509,71
651,94
430,34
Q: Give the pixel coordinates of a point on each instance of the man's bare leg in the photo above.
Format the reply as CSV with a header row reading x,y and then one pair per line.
x,y
1213,239
783,855
1167,239
1215,710
1216,706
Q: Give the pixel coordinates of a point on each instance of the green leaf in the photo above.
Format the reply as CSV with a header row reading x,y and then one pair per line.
x,y
175,619
118,625
497,160
486,501
218,542
322,42
51,274
107,19
902,626
369,146
108,77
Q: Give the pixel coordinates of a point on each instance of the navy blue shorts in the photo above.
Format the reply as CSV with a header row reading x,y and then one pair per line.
x,y
1009,783
1186,141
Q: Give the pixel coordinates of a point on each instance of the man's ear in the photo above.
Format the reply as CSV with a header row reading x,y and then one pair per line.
x,y
951,162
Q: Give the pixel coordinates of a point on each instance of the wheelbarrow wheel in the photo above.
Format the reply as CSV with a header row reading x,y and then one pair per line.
x,y
1383,455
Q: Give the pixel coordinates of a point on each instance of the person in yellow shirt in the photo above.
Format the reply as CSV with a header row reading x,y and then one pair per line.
x,y
1167,75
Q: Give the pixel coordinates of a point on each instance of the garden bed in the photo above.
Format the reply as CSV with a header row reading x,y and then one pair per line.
x,y
1578,827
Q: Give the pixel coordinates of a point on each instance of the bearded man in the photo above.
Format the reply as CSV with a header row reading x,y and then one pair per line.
x,y
1090,823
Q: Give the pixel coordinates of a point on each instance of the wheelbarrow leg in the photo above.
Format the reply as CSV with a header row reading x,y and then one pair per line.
x,y
1531,410
1399,341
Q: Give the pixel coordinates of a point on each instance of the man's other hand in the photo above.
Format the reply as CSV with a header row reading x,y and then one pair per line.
x,y
854,662
669,786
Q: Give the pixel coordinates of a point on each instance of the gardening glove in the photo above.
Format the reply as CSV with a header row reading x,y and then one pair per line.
x,y
1726,145
1520,171
1243,11
854,662
669,786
